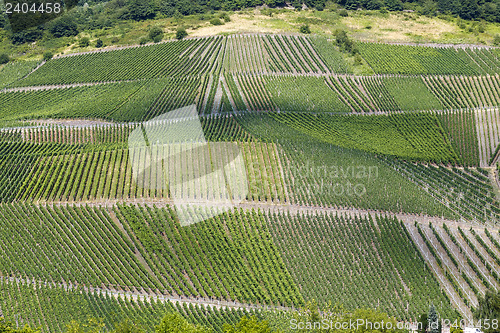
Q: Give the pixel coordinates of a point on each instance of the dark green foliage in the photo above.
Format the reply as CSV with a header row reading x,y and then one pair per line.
x,y
216,21
423,323
304,29
433,320
4,58
156,34
343,13
344,42
181,33
489,308
394,5
99,43
84,42
140,10
64,26
225,16
26,36
47,55
496,40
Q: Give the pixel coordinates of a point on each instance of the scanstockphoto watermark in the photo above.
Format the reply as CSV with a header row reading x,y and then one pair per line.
x,y
363,324
358,324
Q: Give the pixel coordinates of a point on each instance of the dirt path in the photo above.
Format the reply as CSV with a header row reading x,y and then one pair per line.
x,y
63,86
148,297
280,207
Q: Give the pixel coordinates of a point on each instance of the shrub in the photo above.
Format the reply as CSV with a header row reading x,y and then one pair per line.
x,y
4,58
343,13
181,33
225,16
304,29
143,41
84,42
156,34
357,60
496,40
99,43
216,21
115,40
47,55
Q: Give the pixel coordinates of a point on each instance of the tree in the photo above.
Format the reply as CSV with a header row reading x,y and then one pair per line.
x,y
47,55
156,34
140,10
26,36
423,323
63,27
394,5
248,325
433,320
469,9
4,58
175,323
488,308
429,8
99,43
181,33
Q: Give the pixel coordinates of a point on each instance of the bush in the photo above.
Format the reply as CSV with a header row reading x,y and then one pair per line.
x,y
156,34
225,17
343,13
320,6
216,21
4,58
304,29
143,41
99,43
47,55
115,40
357,60
496,40
84,42
181,33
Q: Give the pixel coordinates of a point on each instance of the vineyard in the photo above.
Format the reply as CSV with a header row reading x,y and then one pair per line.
x,y
328,256
400,59
14,71
377,191
55,307
468,259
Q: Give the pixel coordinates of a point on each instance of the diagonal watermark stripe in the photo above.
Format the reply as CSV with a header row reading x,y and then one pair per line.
x,y
170,153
